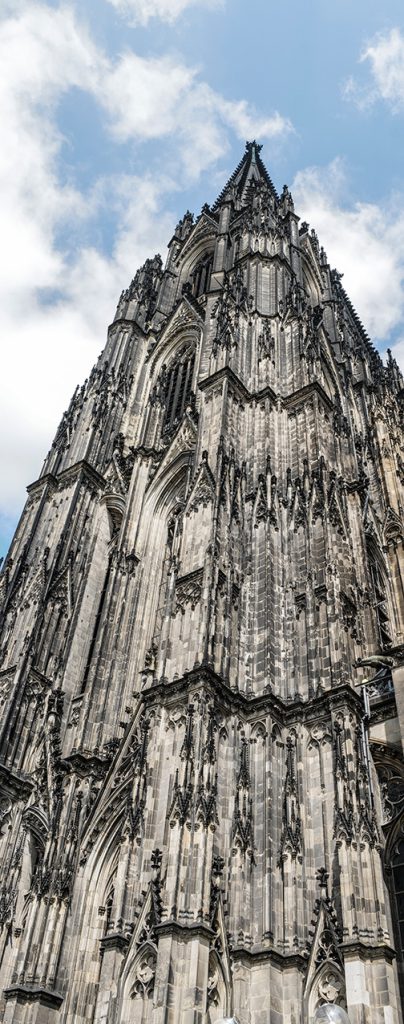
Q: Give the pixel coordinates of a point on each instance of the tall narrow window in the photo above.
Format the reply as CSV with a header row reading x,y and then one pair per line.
x,y
397,867
109,904
201,276
379,594
177,391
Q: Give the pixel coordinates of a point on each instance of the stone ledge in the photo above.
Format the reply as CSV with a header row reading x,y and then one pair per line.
x,y
116,941
296,397
283,960
186,931
81,468
357,948
350,950
34,993
342,695
286,401
226,373
123,321
18,785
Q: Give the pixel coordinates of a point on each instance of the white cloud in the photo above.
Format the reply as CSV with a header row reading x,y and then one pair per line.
x,y
364,241
48,348
385,55
397,351
142,95
142,11
158,98
247,122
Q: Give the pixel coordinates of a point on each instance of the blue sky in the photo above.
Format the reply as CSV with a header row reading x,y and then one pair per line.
x,y
117,115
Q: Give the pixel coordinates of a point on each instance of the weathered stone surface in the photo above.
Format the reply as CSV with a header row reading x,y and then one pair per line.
x,y
200,815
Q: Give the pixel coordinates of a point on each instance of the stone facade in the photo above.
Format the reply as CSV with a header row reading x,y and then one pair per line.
x,y
201,806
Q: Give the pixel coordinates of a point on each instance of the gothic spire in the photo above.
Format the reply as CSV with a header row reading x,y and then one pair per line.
x,y
251,168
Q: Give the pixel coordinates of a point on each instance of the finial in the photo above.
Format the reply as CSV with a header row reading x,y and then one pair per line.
x,y
322,879
253,145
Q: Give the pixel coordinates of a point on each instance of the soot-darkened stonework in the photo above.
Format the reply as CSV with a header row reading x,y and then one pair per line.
x,y
201,808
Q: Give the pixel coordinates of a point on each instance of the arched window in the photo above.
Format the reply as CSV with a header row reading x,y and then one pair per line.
x,y
135,1002
177,388
397,868
328,987
108,908
389,764
379,592
394,861
201,276
217,994
109,904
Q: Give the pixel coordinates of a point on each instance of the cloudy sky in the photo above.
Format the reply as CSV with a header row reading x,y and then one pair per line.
x,y
118,115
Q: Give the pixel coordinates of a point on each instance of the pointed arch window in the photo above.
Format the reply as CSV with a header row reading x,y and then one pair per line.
x,y
397,867
201,276
109,904
389,765
394,860
379,584
109,899
177,389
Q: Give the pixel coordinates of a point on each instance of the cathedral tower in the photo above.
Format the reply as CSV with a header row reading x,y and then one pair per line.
x,y
202,653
